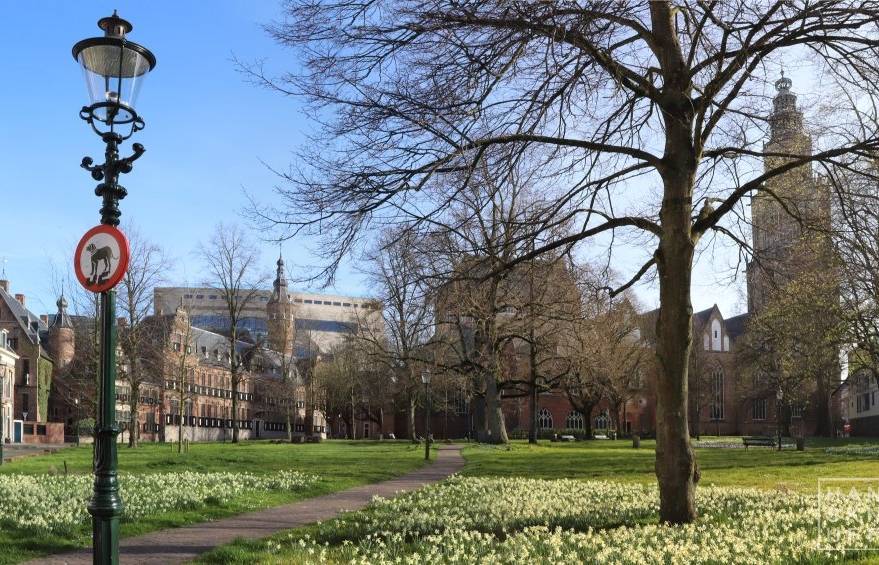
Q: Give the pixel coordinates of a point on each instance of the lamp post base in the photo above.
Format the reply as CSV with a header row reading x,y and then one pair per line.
x,y
105,540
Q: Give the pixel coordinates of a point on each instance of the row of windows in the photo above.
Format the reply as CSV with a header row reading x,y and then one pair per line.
x,y
238,298
758,410
325,302
188,296
573,421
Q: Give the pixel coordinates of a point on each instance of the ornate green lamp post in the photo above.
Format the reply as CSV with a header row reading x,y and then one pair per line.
x,y
114,70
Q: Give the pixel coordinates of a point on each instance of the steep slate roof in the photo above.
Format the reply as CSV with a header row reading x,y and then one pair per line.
x,y
209,342
33,328
736,325
702,317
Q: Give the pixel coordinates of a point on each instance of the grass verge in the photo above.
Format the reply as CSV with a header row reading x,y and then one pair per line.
x,y
339,464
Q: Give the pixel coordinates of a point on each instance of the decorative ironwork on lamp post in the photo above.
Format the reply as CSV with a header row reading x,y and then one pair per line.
x,y
425,378
114,69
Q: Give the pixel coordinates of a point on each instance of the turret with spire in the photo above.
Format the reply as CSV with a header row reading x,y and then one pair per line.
x,y
280,314
61,334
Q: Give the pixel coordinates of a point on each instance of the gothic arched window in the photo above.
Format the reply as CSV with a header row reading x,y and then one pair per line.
x,y
544,419
717,394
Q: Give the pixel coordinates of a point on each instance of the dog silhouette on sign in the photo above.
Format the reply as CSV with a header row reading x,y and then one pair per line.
x,y
104,254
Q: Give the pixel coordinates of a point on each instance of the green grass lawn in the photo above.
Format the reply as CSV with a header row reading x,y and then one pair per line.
x,y
342,464
758,467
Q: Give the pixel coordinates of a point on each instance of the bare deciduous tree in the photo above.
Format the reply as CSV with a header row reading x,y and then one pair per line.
x,y
856,223
639,120
397,274
146,270
232,268
608,356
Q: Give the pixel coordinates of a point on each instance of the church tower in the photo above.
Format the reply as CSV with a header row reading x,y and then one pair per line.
x,y
280,315
790,204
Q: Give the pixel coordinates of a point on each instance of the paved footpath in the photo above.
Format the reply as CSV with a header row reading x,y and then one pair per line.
x,y
181,545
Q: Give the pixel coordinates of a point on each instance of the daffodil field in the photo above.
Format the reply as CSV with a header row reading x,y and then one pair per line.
x,y
589,503
490,520
57,504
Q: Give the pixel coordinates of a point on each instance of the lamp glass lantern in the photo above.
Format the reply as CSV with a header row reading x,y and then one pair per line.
x,y
425,377
114,69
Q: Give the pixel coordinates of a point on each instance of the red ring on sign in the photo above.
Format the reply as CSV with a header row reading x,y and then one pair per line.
x,y
101,258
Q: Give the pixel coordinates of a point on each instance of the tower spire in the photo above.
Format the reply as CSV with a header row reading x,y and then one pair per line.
x,y
279,292
785,121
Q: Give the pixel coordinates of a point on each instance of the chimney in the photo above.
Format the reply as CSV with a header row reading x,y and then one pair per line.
x,y
20,298
4,284
45,318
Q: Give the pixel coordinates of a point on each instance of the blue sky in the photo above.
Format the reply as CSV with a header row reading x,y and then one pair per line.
x,y
208,134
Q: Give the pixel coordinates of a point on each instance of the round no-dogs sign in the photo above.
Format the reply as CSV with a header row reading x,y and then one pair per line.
x,y
101,258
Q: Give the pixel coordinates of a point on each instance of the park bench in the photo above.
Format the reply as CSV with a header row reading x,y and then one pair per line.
x,y
764,441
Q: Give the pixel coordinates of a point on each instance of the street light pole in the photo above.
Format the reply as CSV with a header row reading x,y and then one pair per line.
x,y
425,378
114,69
778,396
78,418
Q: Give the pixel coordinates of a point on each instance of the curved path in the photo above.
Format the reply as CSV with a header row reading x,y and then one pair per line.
x,y
180,545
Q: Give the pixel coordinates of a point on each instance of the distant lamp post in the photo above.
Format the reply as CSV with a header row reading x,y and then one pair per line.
x,y
778,396
76,423
425,378
114,69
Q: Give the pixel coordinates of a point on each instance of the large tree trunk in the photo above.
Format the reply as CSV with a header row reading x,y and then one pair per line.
x,y
235,422
676,469
532,414
586,411
497,430
410,418
823,415
133,427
